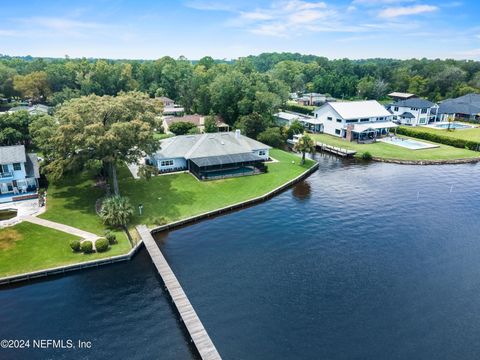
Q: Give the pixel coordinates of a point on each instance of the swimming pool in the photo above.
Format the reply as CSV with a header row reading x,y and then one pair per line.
x,y
453,125
408,143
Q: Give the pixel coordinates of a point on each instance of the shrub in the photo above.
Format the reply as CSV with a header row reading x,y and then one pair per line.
x,y
366,156
86,247
299,108
75,245
111,237
101,245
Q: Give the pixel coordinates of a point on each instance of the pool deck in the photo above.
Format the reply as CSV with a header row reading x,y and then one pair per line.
x,y
403,142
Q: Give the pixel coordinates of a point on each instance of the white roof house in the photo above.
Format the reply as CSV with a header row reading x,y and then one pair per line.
x,y
354,119
211,155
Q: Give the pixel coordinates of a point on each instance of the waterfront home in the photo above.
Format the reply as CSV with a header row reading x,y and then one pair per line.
x,y
413,111
197,120
19,173
463,108
354,120
211,155
286,118
398,96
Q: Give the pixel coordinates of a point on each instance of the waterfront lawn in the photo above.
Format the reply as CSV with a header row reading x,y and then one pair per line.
x,y
71,201
28,247
172,197
389,151
472,134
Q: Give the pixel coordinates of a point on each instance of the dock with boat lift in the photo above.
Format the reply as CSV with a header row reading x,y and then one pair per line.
x,y
335,150
194,326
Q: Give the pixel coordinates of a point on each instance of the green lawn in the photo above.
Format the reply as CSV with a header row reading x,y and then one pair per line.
x,y
389,151
72,202
160,136
464,134
172,197
28,247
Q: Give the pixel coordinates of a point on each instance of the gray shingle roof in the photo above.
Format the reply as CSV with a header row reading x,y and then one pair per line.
x,y
407,115
414,103
466,104
32,167
12,154
206,145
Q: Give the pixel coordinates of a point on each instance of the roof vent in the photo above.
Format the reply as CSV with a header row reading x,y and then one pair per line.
x,y
237,133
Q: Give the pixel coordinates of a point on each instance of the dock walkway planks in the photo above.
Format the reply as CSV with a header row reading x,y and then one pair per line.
x,y
199,335
335,150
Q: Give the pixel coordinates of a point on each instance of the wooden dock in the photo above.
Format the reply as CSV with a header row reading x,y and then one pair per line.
x,y
198,334
335,150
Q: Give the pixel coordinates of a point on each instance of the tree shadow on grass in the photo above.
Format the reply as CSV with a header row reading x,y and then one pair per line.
x,y
159,196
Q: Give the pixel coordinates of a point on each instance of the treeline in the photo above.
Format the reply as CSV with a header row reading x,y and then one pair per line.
x,y
255,84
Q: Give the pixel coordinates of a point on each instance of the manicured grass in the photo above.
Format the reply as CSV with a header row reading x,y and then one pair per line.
x,y
72,202
172,197
389,151
160,136
472,134
28,247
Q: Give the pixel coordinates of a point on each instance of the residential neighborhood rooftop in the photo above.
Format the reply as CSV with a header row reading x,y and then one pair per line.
x,y
209,144
466,104
12,154
414,103
359,109
403,95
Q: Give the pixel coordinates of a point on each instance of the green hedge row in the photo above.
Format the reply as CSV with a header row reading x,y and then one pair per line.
x,y
298,108
438,138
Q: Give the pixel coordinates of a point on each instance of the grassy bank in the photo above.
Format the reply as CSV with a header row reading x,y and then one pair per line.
x,y
389,151
28,247
472,134
173,197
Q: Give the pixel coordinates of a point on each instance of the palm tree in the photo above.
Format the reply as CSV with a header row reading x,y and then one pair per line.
x,y
305,144
116,212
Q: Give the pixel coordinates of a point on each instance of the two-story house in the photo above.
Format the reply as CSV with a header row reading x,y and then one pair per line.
x,y
413,111
354,120
19,173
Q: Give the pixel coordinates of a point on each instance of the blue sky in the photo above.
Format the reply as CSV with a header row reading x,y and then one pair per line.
x,y
229,29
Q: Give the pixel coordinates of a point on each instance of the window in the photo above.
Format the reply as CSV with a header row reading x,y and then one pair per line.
x,y
339,120
423,120
424,111
337,131
316,116
364,120
262,153
329,118
166,163
351,121
17,166
381,118
395,108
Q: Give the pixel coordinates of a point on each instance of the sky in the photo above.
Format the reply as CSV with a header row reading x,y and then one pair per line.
x,y
147,29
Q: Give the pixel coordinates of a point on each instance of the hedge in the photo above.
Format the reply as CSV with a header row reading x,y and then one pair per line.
x,y
86,247
75,245
438,138
101,245
298,108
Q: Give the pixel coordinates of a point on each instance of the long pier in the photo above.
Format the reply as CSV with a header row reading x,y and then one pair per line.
x,y
198,334
335,150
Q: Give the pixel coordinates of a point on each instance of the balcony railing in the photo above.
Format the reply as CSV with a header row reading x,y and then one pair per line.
x,y
7,174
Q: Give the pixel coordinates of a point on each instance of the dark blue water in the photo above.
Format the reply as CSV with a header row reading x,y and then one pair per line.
x,y
358,262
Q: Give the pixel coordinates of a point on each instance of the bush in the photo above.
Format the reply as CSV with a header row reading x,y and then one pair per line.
x,y
366,156
111,237
101,245
86,247
299,108
439,138
75,245
272,136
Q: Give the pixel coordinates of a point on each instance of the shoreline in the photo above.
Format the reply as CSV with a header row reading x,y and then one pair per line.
x,y
427,162
12,279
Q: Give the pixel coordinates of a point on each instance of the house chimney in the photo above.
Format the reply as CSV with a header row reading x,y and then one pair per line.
x,y
237,133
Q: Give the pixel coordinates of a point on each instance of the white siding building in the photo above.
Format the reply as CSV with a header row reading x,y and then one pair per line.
x,y
413,111
19,172
354,120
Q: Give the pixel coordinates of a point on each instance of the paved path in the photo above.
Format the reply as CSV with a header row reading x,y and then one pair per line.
x,y
61,227
199,335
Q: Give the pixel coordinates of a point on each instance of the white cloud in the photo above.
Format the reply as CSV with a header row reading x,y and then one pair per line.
x,y
379,2
211,5
393,12
62,24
